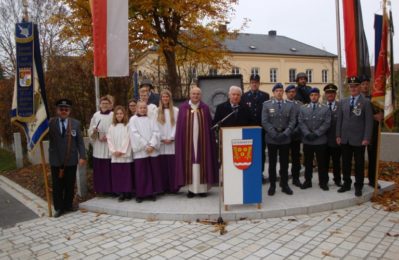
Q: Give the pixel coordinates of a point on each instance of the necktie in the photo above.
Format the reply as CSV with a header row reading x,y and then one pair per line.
x,y
314,106
352,102
63,129
330,106
279,104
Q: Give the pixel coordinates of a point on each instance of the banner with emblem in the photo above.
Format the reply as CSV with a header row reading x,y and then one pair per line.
x,y
242,165
29,107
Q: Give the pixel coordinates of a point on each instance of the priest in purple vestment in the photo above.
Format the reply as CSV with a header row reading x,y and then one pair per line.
x,y
196,164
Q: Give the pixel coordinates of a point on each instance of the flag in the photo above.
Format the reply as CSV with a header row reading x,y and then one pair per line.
x,y
29,106
110,37
242,165
382,95
356,49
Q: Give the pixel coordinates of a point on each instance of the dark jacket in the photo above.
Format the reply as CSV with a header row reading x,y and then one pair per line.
x,y
242,117
302,94
254,102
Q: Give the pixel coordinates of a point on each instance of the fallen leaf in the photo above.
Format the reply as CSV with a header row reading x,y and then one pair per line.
x,y
392,235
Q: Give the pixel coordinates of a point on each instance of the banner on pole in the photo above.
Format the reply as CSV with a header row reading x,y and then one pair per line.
x,y
242,165
29,106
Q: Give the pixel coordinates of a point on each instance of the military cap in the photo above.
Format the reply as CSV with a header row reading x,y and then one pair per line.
x,y
314,90
146,82
364,78
63,102
290,87
330,88
353,80
277,85
254,77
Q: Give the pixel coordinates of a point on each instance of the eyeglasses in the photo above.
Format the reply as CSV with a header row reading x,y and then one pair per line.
x,y
64,109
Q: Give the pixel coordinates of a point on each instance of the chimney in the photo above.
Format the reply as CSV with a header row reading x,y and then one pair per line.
x,y
272,33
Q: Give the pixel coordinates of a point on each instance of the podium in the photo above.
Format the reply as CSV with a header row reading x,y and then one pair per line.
x,y
242,165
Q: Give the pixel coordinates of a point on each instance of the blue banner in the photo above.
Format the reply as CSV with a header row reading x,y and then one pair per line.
x,y
25,83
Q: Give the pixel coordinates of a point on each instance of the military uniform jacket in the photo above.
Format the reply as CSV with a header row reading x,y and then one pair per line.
x,y
302,94
254,102
331,133
315,121
277,121
296,133
357,125
58,143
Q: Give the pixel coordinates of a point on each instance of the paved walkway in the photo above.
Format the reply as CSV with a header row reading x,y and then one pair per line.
x,y
359,232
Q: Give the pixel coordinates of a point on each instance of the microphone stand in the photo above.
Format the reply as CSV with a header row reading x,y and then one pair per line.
x,y
216,127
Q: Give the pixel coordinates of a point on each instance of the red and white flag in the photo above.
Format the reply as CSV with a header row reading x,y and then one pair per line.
x,y
110,37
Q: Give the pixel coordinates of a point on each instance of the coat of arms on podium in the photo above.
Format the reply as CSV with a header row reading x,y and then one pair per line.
x,y
242,153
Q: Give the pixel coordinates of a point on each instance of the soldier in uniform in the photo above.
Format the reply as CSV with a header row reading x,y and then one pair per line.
x,y
295,145
254,99
302,90
314,121
377,117
278,120
333,149
354,131
66,150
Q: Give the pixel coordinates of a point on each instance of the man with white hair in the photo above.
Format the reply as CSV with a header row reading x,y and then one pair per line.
x,y
242,116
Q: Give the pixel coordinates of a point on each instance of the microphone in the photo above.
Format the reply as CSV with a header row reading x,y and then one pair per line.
x,y
235,108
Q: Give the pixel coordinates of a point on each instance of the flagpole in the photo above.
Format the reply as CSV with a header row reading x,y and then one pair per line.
x,y
43,162
338,26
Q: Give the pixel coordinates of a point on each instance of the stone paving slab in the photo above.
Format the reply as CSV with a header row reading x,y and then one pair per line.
x,y
360,232
179,207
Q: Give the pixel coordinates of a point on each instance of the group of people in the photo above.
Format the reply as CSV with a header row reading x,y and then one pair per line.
x,y
153,147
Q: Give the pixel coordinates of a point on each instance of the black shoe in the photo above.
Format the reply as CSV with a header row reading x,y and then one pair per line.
x,y
271,190
297,183
71,209
287,190
358,192
344,188
128,197
372,185
324,187
306,184
58,213
338,183
190,195
139,200
121,198
203,195
153,198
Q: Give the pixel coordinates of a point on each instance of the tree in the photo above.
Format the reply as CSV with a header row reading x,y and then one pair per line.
x,y
180,29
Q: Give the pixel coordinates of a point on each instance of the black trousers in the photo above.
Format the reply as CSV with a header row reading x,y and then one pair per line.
x,y
263,150
283,152
334,153
63,188
309,151
295,149
356,152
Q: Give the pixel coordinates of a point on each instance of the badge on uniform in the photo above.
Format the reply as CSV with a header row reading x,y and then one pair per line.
x,y
73,133
357,110
272,110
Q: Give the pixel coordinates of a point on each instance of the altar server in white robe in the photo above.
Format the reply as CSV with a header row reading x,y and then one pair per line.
x,y
118,138
145,141
99,124
167,116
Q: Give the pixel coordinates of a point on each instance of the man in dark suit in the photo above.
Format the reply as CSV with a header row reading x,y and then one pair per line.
x,y
66,150
153,98
254,99
278,119
333,149
242,115
354,130
302,90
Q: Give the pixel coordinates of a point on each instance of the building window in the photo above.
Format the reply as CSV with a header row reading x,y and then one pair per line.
x,y
324,76
292,75
255,71
309,73
235,71
273,75
213,72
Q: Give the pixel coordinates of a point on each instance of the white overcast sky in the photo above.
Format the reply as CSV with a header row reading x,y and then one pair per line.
x,y
310,21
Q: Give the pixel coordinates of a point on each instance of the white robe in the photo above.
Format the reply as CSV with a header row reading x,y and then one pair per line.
x,y
196,186
100,149
118,139
143,132
167,132
152,111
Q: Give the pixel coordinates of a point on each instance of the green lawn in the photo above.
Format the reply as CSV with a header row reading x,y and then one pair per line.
x,y
7,161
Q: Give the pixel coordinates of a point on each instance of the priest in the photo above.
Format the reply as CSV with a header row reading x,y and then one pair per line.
x,y
195,147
